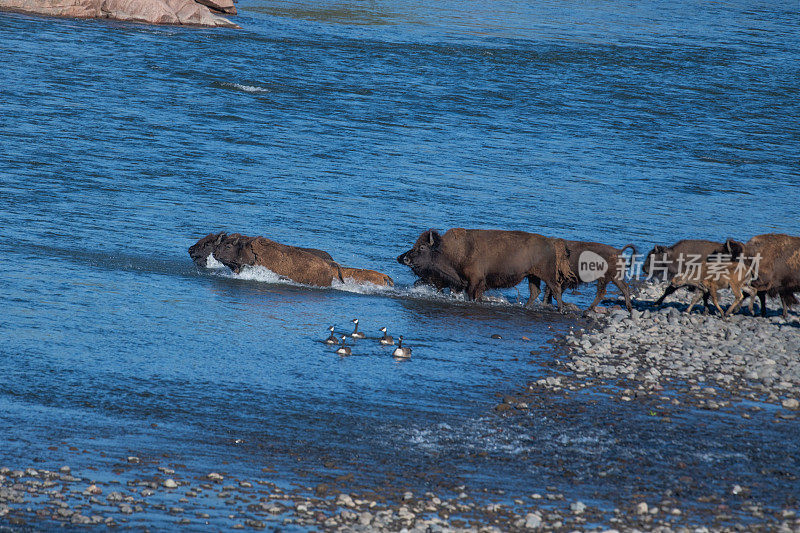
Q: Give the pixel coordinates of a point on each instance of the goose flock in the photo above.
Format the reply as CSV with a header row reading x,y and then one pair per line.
x,y
401,352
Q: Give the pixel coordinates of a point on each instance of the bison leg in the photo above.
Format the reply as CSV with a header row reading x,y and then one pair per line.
x,y
694,302
476,289
548,295
716,302
751,293
601,291
749,298
752,301
762,295
555,290
738,297
785,304
705,302
534,290
626,292
670,289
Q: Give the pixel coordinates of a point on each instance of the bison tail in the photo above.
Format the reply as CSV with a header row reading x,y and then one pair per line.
x,y
563,271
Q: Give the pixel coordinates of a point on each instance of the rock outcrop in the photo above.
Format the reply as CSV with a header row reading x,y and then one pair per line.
x,y
176,12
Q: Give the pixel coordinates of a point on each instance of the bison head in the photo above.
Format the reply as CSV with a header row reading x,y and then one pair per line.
x,y
423,253
427,260
733,248
200,250
658,253
235,251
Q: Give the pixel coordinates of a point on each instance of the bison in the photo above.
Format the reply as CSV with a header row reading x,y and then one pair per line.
x,y
777,258
203,248
581,251
200,250
475,260
715,275
287,261
362,275
675,259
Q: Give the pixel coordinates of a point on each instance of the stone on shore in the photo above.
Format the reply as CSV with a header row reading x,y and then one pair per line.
x,y
174,12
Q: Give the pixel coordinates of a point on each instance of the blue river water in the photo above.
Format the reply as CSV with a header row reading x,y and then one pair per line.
x,y
353,127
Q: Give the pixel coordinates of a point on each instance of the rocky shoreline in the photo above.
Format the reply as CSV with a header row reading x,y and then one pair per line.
x,y
39,498
711,360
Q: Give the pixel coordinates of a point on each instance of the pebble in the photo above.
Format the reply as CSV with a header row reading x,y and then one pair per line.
x,y
577,507
533,520
93,489
737,355
790,403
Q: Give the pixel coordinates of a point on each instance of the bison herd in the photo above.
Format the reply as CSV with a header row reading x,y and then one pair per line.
x,y
475,260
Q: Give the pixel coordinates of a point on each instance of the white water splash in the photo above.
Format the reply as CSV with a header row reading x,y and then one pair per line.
x,y
419,292
260,273
482,434
351,285
211,262
245,88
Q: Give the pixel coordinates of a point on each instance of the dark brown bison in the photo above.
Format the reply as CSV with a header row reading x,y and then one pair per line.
x,y
585,252
775,258
287,261
200,250
362,275
666,262
475,260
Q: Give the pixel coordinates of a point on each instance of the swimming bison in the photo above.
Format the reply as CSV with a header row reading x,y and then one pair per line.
x,y
200,250
290,262
303,265
362,275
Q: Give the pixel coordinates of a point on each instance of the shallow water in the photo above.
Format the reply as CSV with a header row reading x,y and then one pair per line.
x,y
352,128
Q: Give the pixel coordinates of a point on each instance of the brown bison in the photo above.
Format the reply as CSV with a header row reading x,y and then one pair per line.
x,y
584,252
666,262
362,275
475,260
200,250
777,258
715,275
203,248
287,261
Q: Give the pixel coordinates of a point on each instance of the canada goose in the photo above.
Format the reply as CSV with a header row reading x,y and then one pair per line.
x,y
357,334
332,338
400,351
344,350
386,340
